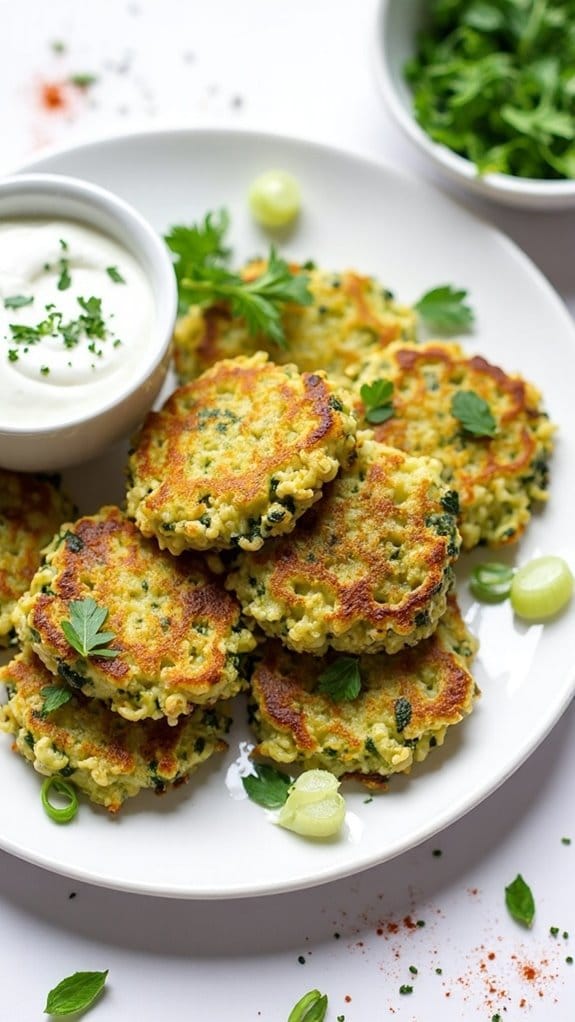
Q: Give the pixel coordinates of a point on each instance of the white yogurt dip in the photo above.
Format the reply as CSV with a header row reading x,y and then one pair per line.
x,y
77,319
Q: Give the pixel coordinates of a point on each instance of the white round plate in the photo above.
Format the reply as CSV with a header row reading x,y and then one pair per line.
x,y
205,840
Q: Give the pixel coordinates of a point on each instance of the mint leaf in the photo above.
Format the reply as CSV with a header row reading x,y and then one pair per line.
x,y
341,681
75,993
520,902
444,309
54,696
268,787
473,413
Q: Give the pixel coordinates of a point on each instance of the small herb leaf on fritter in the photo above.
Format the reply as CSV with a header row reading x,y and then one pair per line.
x,y
83,629
473,413
75,993
444,309
54,697
267,786
520,902
341,681
204,278
377,398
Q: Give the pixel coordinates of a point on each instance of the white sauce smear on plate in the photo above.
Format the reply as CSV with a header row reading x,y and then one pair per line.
x,y
90,321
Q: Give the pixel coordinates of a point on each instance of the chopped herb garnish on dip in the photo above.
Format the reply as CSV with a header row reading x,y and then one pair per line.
x,y
18,301
115,275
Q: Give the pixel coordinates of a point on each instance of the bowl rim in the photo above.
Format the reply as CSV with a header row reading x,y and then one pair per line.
x,y
147,247
457,166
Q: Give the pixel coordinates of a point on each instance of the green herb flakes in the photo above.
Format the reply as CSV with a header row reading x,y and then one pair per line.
x,y
554,931
473,413
75,993
444,309
18,301
565,840
377,399
341,681
267,786
413,970
402,710
83,80
405,989
520,902
82,630
115,275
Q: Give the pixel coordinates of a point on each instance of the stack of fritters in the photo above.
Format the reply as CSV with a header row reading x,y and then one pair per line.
x,y
335,551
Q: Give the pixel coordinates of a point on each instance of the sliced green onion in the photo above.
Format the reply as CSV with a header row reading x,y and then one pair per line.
x,y
312,1007
59,814
274,198
541,588
491,582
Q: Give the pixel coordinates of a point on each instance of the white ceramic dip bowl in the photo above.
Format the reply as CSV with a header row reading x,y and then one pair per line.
x,y
88,301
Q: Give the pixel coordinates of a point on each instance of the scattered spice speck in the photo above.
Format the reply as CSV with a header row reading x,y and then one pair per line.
x,y
437,852
420,922
58,47
71,895
53,96
337,936
569,960
301,959
439,972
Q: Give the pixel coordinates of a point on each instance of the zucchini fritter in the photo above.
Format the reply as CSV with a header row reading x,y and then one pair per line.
x,y
32,508
351,317
178,632
237,455
497,479
368,569
406,704
102,754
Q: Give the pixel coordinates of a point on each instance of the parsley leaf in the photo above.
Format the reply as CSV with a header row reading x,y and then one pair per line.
x,y
312,1007
377,398
444,309
54,697
18,301
203,278
268,786
341,681
473,413
115,275
520,902
64,280
83,629
75,993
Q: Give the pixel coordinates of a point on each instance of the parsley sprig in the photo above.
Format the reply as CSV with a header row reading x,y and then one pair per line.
x,y
82,630
473,413
378,401
204,278
54,697
341,681
444,309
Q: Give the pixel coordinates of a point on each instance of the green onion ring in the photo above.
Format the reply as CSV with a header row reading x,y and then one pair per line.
x,y
61,787
491,582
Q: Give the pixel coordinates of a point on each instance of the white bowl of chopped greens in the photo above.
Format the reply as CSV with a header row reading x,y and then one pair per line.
x,y
87,307
487,90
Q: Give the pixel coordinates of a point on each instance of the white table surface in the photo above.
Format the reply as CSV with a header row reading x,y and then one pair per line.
x,y
303,68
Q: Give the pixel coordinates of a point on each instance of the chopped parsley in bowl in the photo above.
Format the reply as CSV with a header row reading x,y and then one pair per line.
x,y
487,89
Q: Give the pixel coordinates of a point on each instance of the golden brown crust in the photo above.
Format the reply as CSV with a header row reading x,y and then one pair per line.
x,y
296,722
177,632
237,455
32,509
497,478
100,752
367,569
